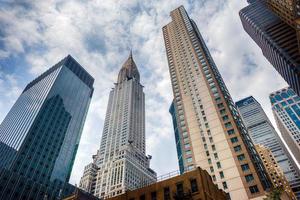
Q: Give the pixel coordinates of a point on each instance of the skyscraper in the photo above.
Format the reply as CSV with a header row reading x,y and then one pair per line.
x,y
274,26
286,110
274,172
40,134
208,129
121,164
263,133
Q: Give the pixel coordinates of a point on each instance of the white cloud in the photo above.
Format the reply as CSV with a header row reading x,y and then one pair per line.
x,y
99,35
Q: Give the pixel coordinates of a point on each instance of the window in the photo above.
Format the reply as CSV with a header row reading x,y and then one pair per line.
x,y
253,189
237,148
234,140
241,157
290,101
167,193
211,169
213,147
284,95
249,178
221,174
143,197
228,125
188,152
214,177
216,155
220,105
189,160
207,153
218,99
186,140
208,132
211,140
209,161
278,98
225,117
230,132
272,100
225,185
206,125
153,196
283,103
218,165
194,186
179,188
223,111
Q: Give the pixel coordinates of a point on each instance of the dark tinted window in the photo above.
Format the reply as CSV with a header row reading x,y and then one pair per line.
x,y
153,196
167,193
194,186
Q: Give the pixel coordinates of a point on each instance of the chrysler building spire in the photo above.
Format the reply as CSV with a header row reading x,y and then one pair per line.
x,y
129,70
121,163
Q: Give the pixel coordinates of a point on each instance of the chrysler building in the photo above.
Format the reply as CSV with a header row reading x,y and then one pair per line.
x,y
121,164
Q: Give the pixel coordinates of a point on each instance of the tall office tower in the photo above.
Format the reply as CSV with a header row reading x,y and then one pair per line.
x,y
289,12
276,38
263,133
121,164
274,172
209,132
40,134
286,110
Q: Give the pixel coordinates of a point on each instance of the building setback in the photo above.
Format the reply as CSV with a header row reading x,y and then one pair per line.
x,y
39,136
274,172
286,110
208,129
273,26
263,133
121,164
195,184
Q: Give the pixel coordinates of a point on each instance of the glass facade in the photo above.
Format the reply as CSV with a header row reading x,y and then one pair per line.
x,y
43,128
262,132
177,137
277,39
14,186
285,107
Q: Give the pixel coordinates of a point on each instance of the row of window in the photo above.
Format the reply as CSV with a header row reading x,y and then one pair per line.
x,y
167,192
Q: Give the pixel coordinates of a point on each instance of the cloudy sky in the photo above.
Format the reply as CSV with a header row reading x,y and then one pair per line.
x,y
99,34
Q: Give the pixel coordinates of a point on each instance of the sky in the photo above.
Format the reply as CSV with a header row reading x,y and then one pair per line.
x,y
35,35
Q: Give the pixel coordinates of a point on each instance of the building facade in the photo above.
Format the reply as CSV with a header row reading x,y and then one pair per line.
x,y
286,110
80,195
274,172
269,24
40,134
121,164
210,132
195,184
263,133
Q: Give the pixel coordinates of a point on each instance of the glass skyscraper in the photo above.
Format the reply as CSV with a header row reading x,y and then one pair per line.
x,y
263,133
286,110
40,134
209,132
121,164
274,26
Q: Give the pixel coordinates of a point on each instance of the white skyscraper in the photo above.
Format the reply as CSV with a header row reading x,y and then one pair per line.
x,y
121,164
